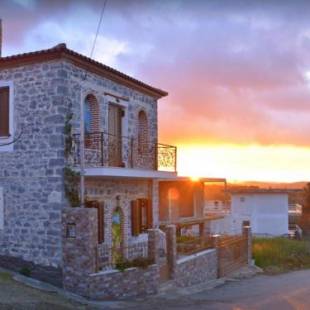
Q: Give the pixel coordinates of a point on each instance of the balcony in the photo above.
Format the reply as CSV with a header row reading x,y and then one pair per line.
x,y
103,150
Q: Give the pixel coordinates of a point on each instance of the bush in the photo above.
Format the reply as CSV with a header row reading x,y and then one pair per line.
x,y
281,254
139,262
25,271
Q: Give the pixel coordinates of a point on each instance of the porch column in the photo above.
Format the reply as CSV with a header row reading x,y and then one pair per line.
x,y
247,233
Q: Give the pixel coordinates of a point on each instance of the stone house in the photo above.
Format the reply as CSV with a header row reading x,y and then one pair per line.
x,y
52,155
40,96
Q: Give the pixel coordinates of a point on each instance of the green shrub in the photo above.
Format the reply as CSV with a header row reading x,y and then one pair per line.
x,y
184,239
281,254
25,271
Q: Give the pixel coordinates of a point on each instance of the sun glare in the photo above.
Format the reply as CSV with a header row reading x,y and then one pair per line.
x,y
240,163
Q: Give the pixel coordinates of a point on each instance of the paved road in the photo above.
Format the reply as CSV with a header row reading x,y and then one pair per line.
x,y
286,291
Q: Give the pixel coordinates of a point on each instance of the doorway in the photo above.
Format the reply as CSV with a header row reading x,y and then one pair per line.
x,y
115,135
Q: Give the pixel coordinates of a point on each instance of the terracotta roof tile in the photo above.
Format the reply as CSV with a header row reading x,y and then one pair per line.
x,y
61,51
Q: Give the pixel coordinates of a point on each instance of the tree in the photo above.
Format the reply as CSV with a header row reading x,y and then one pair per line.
x,y
304,222
306,199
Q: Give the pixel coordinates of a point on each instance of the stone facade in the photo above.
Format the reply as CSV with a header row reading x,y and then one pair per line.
x,y
31,175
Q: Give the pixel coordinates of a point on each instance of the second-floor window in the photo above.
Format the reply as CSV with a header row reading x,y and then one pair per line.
x,y
91,115
142,132
91,122
4,111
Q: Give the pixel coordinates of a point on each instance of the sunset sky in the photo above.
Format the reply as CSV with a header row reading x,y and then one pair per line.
x,y
237,73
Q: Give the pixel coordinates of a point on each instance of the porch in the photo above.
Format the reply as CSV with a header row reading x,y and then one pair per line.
x,y
87,271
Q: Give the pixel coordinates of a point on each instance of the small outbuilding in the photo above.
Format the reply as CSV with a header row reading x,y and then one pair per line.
x,y
266,209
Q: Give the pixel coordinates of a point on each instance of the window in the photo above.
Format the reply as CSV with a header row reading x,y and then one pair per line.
x,y
6,116
91,115
141,216
88,118
91,122
4,111
142,132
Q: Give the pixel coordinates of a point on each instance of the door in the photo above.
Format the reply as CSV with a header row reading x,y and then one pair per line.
x,y
115,135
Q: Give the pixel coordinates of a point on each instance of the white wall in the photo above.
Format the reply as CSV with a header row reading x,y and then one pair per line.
x,y
267,212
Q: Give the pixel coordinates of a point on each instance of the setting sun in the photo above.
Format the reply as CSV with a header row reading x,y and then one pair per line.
x,y
249,162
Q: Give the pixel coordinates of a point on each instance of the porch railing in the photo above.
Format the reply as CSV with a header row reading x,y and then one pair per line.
x,y
106,150
187,245
106,253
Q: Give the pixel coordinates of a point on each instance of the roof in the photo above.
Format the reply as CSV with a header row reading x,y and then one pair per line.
x,y
258,191
61,51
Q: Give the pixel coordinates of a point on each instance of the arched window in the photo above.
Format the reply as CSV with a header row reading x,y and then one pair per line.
x,y
91,122
91,115
142,132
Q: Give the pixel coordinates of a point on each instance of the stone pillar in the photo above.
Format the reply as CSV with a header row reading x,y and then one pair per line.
x,y
153,244
216,245
171,249
247,233
79,245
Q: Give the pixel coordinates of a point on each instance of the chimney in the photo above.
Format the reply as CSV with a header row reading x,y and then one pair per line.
x,y
0,37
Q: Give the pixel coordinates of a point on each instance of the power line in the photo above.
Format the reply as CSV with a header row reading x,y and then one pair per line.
x,y
98,28
97,33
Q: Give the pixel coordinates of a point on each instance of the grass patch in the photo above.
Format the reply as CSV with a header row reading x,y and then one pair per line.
x,y
277,255
5,277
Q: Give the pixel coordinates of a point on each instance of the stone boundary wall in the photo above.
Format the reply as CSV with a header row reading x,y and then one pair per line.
x,y
197,268
129,283
81,274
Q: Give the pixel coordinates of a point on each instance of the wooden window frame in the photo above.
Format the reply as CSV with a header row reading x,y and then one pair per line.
x,y
10,137
137,205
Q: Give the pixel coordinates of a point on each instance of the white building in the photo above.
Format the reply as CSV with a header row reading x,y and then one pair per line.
x,y
267,211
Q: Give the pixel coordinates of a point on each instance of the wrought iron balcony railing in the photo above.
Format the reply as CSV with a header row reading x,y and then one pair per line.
x,y
106,150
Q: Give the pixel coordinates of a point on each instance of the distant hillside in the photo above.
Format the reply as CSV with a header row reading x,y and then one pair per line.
x,y
293,185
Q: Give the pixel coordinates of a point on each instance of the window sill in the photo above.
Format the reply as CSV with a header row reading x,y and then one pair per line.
x,y
6,148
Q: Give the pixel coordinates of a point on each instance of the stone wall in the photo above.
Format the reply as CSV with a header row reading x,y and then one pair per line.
x,y
116,284
197,268
31,174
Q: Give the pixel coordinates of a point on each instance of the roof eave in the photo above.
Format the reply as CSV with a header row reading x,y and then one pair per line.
x,y
84,63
